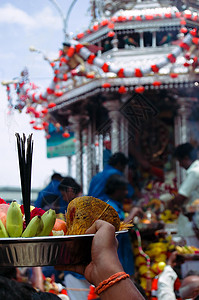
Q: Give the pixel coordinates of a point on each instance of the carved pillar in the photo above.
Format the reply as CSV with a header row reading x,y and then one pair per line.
x,y
141,40
124,136
114,115
154,39
181,131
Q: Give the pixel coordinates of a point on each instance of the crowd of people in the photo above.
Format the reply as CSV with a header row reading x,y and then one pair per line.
x,y
112,268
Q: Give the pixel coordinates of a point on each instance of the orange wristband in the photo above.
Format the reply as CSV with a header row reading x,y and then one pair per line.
x,y
105,284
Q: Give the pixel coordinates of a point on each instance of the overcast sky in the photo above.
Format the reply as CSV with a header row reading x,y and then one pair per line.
x,y
23,24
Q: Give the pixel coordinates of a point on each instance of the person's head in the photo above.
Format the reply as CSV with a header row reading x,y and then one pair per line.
x,y
44,296
118,160
185,154
12,289
116,187
66,46
189,287
56,176
69,188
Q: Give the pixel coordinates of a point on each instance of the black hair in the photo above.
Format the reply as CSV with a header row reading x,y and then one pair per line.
x,y
12,289
115,182
69,182
44,296
56,176
9,272
184,150
66,44
116,158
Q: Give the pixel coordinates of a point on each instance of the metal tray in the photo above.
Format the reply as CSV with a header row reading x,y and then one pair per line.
x,y
46,251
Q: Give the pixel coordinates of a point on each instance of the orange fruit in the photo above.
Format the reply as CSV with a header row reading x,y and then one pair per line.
x,y
3,213
60,225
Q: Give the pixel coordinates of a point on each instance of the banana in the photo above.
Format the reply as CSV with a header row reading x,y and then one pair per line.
x,y
3,231
34,227
180,249
14,220
48,218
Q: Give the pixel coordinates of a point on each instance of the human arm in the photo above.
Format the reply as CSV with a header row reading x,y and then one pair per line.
x,y
37,278
105,262
177,202
189,185
135,211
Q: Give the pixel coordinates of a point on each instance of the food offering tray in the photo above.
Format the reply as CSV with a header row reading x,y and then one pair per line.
x,y
46,251
194,256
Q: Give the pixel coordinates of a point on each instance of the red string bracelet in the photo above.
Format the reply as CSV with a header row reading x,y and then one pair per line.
x,y
105,284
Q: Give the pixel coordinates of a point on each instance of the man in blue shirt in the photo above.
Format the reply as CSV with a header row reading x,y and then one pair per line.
x,y
50,196
115,193
116,165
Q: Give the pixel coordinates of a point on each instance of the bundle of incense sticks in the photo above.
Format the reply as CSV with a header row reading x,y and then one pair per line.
x,y
25,165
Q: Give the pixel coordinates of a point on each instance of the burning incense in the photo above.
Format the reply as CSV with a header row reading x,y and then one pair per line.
x,y
25,166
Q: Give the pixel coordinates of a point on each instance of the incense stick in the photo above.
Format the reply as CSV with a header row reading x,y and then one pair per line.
x,y
25,166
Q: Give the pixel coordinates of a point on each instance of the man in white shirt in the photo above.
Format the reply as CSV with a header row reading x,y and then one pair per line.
x,y
189,288
188,192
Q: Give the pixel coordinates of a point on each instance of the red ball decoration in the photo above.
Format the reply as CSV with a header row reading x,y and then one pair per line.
x,y
105,67
45,124
90,76
171,57
173,75
186,64
195,40
50,91
183,22
138,73
193,32
91,59
65,77
113,19
121,73
38,127
156,83
155,68
32,122
187,55
149,17
168,15
110,33
106,85
122,89
184,46
178,14
58,94
104,22
140,89
71,52
52,64
111,25
138,18
96,27
183,30
51,105
44,111
66,134
80,35
78,47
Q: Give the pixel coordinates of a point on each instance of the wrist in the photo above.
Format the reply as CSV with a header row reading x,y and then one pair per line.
x,y
105,270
